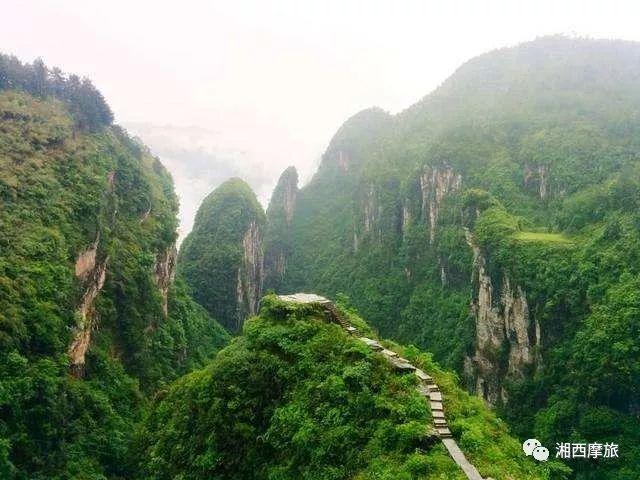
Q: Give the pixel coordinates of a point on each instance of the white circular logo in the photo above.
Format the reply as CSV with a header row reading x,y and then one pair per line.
x,y
541,454
530,445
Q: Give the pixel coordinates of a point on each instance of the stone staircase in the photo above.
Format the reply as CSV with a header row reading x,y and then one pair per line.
x,y
426,387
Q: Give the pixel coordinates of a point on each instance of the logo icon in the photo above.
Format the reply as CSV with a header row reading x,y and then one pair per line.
x,y
535,448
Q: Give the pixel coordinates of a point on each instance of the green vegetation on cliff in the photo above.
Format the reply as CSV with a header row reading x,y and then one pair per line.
x,y
83,101
295,397
221,259
90,320
495,223
277,239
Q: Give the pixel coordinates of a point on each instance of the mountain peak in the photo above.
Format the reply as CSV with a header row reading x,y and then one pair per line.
x,y
222,258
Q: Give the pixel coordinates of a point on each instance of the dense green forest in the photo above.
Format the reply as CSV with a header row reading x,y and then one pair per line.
x,y
295,397
495,223
91,321
83,101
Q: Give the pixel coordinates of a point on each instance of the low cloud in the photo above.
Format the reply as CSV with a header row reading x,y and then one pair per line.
x,y
199,160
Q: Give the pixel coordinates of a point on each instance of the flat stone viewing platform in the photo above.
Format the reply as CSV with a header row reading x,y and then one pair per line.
x,y
304,298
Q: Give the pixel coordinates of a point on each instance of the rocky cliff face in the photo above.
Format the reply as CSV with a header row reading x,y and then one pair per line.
x,y
87,260
92,274
250,274
435,183
406,218
165,273
505,336
537,176
222,258
74,304
372,212
278,233
372,220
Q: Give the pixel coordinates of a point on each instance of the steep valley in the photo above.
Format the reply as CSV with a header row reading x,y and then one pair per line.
x,y
92,320
494,223
489,234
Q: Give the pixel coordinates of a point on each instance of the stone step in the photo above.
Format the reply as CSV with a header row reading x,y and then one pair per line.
x,y
401,365
433,388
422,390
374,344
435,406
424,377
388,353
435,396
444,432
437,414
351,330
440,423
454,450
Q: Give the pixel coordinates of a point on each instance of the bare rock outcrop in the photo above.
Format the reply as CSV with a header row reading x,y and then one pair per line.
x,y
342,160
406,218
278,235
165,270
435,183
250,276
92,274
372,211
86,260
537,177
505,336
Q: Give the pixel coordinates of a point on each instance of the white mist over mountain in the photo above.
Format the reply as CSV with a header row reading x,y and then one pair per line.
x,y
199,159
246,88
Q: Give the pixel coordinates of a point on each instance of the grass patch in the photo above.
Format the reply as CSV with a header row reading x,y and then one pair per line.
x,y
542,237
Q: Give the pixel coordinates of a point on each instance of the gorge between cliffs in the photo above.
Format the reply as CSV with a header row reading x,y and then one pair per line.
x,y
454,279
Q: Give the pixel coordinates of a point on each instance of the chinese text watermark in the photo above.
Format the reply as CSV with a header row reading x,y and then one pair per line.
x,y
587,450
568,450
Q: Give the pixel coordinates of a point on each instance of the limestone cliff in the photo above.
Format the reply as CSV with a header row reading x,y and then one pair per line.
x,y
537,177
277,243
222,258
92,274
406,218
87,319
91,271
369,216
505,335
87,260
435,183
250,274
77,287
165,273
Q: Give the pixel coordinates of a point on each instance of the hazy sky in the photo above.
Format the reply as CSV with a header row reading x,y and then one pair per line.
x,y
247,88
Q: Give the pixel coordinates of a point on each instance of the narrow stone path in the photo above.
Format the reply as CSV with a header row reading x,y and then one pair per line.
x,y
427,386
457,455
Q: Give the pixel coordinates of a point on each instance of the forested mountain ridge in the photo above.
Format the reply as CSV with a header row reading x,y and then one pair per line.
x,y
83,101
277,239
296,397
495,223
92,321
222,258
